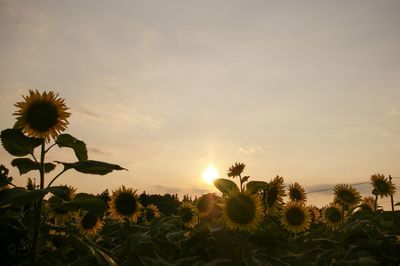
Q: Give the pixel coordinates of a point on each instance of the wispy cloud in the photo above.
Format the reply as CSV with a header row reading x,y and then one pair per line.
x,y
249,150
178,190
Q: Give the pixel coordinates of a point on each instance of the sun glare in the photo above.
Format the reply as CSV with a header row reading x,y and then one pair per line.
x,y
210,174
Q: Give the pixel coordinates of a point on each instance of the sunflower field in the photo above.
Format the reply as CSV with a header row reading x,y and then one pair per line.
x,y
249,222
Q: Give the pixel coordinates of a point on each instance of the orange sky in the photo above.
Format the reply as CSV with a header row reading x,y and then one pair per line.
x,y
309,91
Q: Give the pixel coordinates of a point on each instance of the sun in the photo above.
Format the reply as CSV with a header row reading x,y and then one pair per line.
x,y
210,174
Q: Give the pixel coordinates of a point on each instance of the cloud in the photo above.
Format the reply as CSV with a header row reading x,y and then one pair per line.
x,y
249,150
178,190
327,189
394,111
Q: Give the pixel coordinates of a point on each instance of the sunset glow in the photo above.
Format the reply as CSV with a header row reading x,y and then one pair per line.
x,y
210,174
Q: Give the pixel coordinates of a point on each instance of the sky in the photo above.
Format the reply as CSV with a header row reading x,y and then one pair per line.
x,y
308,90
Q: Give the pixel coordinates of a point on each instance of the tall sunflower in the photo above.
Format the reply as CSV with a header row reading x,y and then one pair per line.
x,y
89,223
150,212
297,193
273,196
188,214
208,208
346,195
42,115
296,217
124,205
332,215
242,211
382,185
236,169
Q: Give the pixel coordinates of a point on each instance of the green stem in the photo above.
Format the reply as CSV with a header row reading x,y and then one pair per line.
x,y
54,179
38,208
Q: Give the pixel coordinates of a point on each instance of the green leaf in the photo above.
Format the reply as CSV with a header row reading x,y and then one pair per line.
x,y
255,186
87,202
92,167
226,186
79,147
17,144
25,165
20,196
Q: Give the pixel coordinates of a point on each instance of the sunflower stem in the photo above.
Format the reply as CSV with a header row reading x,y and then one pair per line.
x,y
376,202
38,207
55,178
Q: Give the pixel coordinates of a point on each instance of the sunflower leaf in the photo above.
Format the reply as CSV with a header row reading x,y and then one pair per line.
x,y
20,196
79,147
17,144
87,202
92,167
26,165
255,186
226,186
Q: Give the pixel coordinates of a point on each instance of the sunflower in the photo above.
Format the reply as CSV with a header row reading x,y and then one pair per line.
x,y
188,214
242,211
297,193
332,215
42,115
89,223
346,195
382,185
236,169
368,203
124,205
273,196
296,217
314,211
58,213
150,212
208,207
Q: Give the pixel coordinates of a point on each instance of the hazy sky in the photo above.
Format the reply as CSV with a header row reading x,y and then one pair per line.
x,y
309,90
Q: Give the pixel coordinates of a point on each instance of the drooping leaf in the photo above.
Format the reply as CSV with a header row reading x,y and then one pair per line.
x,y
79,147
87,202
17,144
226,186
92,167
25,165
255,186
4,178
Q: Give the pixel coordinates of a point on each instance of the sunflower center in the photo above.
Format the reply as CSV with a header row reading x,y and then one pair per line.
x,y
149,214
89,221
241,209
295,216
186,215
333,215
295,194
347,196
41,116
272,195
203,205
126,204
382,186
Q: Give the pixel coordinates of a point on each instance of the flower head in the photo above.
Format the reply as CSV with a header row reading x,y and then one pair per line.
x,y
368,203
296,217
42,115
332,215
236,169
58,214
124,205
274,195
150,212
241,211
382,185
297,193
346,195
89,223
208,207
188,214
315,214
